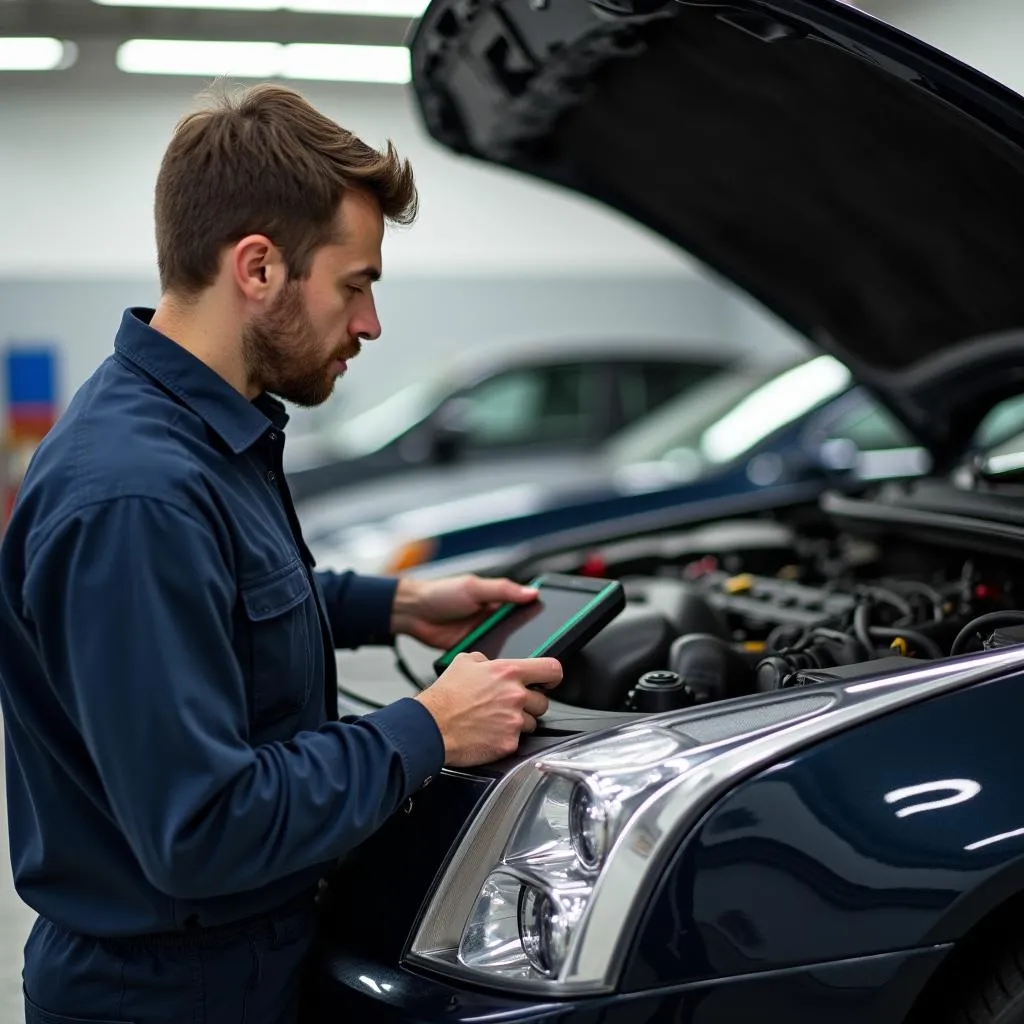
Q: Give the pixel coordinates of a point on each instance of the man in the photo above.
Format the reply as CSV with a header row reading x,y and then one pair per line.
x,y
178,781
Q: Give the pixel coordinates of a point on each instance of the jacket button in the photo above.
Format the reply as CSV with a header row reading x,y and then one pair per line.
x,y
271,475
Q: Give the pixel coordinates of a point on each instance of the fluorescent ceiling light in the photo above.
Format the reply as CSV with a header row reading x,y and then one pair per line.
x,y
335,62
376,8
319,61
370,8
35,54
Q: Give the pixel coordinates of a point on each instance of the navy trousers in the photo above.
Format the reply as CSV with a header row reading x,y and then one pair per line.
x,y
251,973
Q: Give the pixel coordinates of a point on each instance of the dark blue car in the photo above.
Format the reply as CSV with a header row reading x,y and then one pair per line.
x,y
783,785
749,435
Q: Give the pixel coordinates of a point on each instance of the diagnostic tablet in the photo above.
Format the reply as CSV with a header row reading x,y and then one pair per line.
x,y
568,612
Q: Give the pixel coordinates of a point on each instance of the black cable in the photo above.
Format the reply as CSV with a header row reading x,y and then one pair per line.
x,y
352,695
862,626
892,598
993,619
924,590
403,667
831,634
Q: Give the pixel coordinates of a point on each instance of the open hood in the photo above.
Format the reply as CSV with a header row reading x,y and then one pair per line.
x,y
864,187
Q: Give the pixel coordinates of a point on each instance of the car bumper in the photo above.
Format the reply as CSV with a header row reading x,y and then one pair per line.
x,y
877,989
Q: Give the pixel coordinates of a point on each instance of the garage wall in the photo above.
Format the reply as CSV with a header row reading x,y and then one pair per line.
x,y
494,259
425,320
81,150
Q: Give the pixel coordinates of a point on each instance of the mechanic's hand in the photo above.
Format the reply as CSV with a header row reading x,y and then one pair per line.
x,y
482,706
440,613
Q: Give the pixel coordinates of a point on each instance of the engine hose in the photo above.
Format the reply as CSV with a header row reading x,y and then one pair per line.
x,y
990,619
862,626
924,590
924,644
889,597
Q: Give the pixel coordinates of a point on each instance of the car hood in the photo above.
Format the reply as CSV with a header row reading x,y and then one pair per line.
x,y
861,185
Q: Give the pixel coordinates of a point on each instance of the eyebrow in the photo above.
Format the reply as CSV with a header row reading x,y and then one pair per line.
x,y
373,273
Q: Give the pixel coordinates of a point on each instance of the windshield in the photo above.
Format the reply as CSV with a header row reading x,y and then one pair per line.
x,y
1001,437
375,427
731,414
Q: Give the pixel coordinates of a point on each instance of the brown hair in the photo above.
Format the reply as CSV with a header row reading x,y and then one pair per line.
x,y
264,162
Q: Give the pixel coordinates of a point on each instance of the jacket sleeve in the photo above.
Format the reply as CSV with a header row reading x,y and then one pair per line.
x,y
133,603
358,608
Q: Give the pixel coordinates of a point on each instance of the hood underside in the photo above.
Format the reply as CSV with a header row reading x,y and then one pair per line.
x,y
862,186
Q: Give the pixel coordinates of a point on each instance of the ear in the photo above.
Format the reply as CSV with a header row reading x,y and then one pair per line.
x,y
257,268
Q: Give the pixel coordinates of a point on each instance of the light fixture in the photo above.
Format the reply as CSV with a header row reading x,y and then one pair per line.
x,y
36,53
334,62
368,8
346,62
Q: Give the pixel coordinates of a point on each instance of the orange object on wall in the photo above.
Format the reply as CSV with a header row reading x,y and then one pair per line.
x,y
30,411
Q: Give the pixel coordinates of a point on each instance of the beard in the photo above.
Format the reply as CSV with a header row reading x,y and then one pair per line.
x,y
283,354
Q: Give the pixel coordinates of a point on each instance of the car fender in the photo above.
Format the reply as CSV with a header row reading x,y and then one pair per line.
x,y
900,833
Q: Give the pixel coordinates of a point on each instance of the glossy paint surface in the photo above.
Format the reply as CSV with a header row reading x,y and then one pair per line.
x,y
375,895
830,886
875,990
901,833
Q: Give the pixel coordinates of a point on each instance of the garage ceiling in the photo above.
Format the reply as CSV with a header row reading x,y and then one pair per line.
x,y
98,28
84,20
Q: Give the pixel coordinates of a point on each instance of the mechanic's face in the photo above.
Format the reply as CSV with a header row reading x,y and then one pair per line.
x,y
298,347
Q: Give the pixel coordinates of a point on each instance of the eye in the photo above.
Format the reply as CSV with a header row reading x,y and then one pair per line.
x,y
353,290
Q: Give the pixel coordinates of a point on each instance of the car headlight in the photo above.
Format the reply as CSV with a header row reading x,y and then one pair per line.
x,y
545,891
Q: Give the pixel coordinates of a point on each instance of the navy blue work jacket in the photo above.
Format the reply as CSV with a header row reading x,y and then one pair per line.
x,y
167,670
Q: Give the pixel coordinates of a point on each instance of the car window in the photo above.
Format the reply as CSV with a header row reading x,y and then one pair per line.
x,y
646,386
1003,426
730,414
539,404
871,428
372,429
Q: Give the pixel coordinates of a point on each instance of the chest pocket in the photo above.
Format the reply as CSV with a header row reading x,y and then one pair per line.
x,y
280,617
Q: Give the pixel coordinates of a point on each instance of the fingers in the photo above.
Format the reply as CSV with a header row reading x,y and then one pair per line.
x,y
501,591
536,703
545,672
529,723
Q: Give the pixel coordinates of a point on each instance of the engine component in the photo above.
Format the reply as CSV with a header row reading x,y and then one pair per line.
x,y
775,602
685,605
711,668
599,677
659,691
975,626
1006,636
709,626
843,672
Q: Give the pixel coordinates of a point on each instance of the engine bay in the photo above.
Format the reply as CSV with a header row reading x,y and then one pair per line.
x,y
757,606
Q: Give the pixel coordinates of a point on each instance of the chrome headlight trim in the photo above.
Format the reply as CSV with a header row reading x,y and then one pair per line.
x,y
634,864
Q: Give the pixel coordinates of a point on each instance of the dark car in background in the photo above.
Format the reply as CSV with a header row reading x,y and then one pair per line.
x,y
753,434
812,812
558,397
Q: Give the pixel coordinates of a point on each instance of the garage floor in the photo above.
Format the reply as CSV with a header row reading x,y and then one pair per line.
x,y
15,921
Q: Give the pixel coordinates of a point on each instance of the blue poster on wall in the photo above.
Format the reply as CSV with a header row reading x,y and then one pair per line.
x,y
30,391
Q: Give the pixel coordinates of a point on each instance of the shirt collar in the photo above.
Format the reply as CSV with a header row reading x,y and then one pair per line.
x,y
228,413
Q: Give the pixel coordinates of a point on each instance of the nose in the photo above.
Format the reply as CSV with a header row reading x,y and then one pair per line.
x,y
365,324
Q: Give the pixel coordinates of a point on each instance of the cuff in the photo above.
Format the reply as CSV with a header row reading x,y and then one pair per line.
x,y
364,618
412,729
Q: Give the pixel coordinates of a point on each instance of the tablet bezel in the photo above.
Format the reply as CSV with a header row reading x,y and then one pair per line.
x,y
600,588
